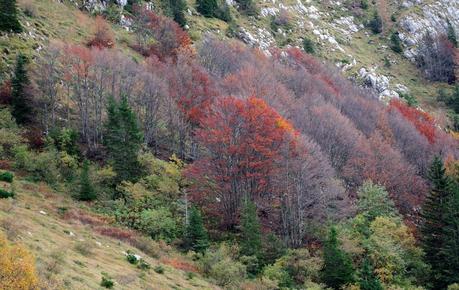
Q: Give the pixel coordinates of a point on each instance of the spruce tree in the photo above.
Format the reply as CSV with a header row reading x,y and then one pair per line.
x,y
337,270
9,16
20,101
452,34
250,230
176,10
207,8
434,221
368,280
123,140
196,237
450,249
87,192
376,23
396,44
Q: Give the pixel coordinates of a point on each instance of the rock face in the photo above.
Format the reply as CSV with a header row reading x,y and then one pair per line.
x,y
433,18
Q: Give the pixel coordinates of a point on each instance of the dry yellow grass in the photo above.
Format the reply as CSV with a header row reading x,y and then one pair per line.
x,y
58,246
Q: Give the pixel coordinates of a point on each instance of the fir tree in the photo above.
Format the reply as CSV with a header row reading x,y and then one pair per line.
x,y
337,270
196,237
20,101
176,10
396,44
434,221
376,23
207,8
308,46
9,16
368,280
87,192
452,34
250,230
450,249
123,140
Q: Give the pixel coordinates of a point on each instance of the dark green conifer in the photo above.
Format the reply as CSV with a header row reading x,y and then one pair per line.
x,y
9,16
87,192
123,140
396,44
434,221
248,7
20,100
338,269
196,237
207,8
250,231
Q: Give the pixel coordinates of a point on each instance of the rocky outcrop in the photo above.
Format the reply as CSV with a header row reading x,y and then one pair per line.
x,y
433,18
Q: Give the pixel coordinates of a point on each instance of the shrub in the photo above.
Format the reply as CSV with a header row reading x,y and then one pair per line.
x,y
5,193
308,46
6,176
159,224
159,269
131,258
143,265
395,43
376,24
42,166
103,35
17,267
107,282
220,265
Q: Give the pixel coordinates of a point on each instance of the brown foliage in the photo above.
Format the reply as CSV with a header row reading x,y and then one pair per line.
x,y
103,35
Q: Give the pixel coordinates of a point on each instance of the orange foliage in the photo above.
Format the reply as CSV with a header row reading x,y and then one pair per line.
x,y
423,122
17,267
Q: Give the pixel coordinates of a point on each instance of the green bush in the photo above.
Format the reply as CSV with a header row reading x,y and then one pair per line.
x,y
6,176
42,166
143,265
220,265
159,269
5,193
106,283
159,224
308,46
375,24
395,43
131,258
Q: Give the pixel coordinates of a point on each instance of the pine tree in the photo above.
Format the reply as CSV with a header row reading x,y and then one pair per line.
x,y
450,249
434,221
123,140
207,8
452,34
87,192
368,280
22,111
250,231
9,16
337,270
196,237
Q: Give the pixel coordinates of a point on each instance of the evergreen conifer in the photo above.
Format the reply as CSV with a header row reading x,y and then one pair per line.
x,y
9,16
22,110
196,237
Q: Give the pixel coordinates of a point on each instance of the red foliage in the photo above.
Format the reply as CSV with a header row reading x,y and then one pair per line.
x,y
169,37
242,138
116,233
5,93
103,35
423,122
180,264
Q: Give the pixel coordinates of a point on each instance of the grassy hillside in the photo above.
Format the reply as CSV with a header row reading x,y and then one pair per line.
x,y
71,252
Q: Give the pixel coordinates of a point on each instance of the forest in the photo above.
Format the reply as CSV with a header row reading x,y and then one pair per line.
x,y
273,171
